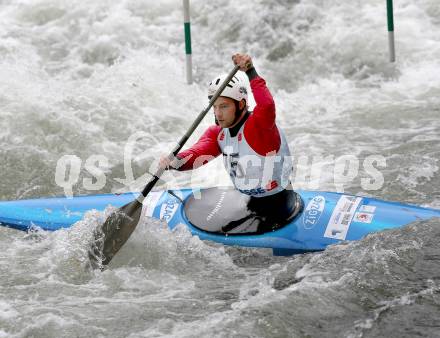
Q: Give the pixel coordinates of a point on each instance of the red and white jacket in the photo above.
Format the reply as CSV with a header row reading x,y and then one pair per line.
x,y
257,157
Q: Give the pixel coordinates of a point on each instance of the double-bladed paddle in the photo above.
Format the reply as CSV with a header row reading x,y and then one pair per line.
x,y
120,224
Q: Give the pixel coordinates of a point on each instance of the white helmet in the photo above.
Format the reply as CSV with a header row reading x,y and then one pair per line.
x,y
235,89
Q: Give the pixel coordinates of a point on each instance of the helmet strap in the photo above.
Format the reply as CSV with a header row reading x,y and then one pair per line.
x,y
238,111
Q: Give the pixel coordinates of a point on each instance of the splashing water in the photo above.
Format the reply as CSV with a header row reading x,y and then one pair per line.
x,y
79,78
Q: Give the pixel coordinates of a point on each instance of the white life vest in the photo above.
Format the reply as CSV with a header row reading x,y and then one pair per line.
x,y
251,173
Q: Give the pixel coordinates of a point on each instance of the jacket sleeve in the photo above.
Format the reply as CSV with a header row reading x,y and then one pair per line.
x,y
204,150
264,111
261,130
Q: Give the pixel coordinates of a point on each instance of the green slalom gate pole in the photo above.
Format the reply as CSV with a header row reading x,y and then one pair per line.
x,y
188,50
391,30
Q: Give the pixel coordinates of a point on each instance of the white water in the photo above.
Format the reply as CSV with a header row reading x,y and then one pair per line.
x,y
80,78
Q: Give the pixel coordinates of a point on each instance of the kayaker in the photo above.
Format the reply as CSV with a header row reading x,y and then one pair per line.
x,y
255,151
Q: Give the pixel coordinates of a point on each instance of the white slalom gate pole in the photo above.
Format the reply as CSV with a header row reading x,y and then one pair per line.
x,y
390,19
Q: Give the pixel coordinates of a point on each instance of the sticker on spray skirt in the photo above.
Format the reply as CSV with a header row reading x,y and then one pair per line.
x,y
363,217
342,217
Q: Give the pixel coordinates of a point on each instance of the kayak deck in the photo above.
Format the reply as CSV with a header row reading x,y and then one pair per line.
x,y
326,218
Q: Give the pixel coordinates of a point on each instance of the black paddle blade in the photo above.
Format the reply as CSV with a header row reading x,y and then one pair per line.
x,y
114,233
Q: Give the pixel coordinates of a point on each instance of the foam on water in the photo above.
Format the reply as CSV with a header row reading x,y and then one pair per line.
x,y
81,78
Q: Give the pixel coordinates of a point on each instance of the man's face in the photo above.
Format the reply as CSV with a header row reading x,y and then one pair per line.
x,y
224,110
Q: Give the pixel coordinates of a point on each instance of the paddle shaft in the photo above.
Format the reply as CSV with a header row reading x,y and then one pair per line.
x,y
189,132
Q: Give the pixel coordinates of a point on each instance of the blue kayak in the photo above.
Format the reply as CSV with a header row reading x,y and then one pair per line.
x,y
325,218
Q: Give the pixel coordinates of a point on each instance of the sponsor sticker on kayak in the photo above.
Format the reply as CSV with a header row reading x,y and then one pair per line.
x,y
168,209
342,217
150,203
367,208
313,212
363,217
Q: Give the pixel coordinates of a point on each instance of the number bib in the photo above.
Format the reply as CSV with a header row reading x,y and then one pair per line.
x,y
251,173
